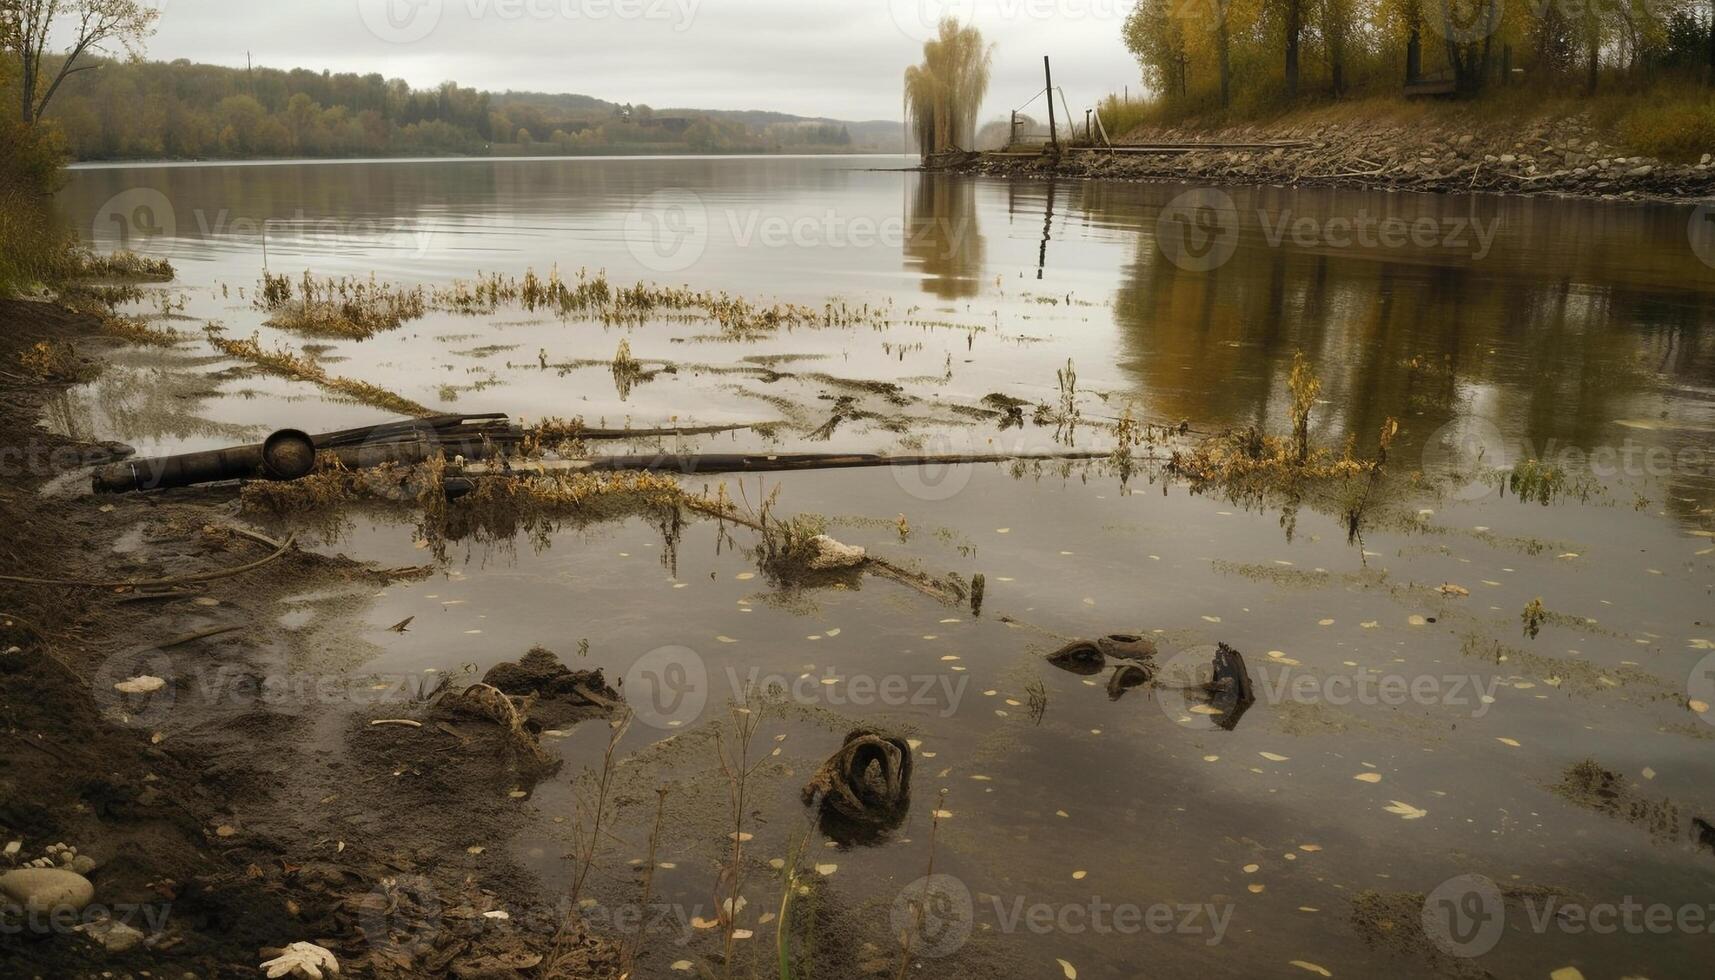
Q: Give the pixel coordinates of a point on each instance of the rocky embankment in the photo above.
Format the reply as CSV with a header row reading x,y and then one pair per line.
x,y
1564,157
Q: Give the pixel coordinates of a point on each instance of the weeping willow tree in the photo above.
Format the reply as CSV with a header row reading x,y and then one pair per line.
x,y
945,92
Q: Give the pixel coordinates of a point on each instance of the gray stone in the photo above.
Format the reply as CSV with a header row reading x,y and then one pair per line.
x,y
44,890
115,937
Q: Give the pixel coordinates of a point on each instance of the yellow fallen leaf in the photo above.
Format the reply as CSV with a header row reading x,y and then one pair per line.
x,y
1368,777
826,869
1310,848
1698,707
1312,967
1405,810
1272,757
1080,875
1566,973
1508,741
1068,969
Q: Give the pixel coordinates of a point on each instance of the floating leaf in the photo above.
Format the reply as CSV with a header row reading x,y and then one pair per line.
x,y
1368,777
1272,757
1068,969
1312,967
826,869
1405,810
1508,741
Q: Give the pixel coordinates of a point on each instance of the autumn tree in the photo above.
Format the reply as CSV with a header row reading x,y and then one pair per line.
x,y
95,26
944,94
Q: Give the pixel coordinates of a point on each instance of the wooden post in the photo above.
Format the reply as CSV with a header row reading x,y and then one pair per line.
x,y
1053,128
1088,136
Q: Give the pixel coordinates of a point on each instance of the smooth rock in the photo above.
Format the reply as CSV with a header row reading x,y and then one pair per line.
x,y
115,937
44,890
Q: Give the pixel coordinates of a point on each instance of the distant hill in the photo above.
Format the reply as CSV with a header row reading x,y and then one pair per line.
x,y
183,110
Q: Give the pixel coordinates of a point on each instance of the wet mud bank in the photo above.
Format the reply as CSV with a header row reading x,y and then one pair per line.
x,y
197,810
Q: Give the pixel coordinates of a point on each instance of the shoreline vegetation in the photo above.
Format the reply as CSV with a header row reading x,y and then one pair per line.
x,y
1607,101
1382,144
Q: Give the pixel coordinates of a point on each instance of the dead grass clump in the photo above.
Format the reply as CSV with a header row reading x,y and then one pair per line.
x,y
57,362
1248,461
287,363
122,266
592,296
347,308
537,506
562,435
138,330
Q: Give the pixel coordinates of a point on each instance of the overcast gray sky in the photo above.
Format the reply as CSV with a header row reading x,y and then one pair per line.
x,y
840,58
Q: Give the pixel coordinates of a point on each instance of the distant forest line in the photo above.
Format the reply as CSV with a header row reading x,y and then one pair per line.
x,y
150,110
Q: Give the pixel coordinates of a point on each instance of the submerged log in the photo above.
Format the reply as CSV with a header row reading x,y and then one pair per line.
x,y
290,454
752,462
865,787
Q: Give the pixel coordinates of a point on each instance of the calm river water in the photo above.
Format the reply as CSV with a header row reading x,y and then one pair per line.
x,y
1406,735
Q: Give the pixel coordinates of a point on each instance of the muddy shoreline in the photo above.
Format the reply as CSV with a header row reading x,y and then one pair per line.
x,y
1565,158
222,817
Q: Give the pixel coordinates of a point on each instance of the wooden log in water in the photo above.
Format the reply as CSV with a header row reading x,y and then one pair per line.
x,y
754,462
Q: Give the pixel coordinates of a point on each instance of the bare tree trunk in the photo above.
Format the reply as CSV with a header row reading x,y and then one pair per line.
x,y
1294,26
1226,63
